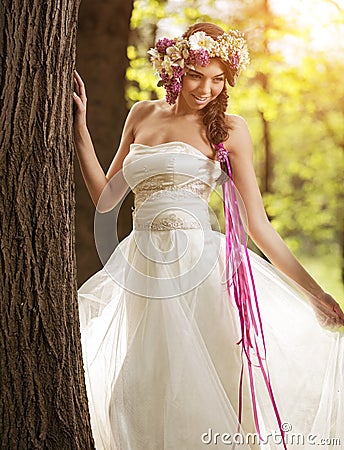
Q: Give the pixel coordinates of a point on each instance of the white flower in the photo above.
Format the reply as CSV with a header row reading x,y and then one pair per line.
x,y
174,53
157,65
155,59
201,40
190,66
176,56
167,65
185,53
154,54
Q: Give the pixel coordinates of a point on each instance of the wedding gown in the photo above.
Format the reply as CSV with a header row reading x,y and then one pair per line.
x,y
160,331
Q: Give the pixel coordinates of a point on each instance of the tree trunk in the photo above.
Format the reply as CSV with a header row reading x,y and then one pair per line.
x,y
102,62
43,402
268,163
341,231
264,79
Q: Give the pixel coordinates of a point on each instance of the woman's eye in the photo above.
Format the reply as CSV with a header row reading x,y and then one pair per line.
x,y
193,75
218,80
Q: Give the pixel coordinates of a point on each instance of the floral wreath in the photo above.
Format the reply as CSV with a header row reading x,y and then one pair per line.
x,y
171,57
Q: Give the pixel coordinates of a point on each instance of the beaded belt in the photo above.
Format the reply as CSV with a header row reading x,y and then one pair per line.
x,y
165,223
170,208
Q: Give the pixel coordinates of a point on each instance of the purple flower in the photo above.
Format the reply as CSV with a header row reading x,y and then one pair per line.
x,y
164,76
163,44
221,153
173,90
172,85
199,57
202,57
178,71
234,61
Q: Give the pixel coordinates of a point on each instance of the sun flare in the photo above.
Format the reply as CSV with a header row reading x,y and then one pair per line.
x,y
322,20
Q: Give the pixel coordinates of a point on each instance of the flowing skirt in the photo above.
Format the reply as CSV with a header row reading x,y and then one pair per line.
x,y
162,362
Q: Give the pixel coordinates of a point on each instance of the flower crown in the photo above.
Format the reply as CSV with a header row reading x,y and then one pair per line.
x,y
172,57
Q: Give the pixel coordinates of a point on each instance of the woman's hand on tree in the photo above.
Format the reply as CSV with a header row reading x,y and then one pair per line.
x,y
80,100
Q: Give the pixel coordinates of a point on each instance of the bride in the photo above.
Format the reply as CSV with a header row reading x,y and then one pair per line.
x,y
189,339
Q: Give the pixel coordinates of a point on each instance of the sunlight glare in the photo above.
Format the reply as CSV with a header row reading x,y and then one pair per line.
x,y
321,18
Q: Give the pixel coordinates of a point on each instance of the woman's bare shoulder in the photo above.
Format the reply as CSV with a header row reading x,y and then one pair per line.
x,y
236,122
139,112
239,140
147,106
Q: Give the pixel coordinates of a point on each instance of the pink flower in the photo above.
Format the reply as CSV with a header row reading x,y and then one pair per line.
x,y
178,71
199,57
234,61
163,44
221,153
172,85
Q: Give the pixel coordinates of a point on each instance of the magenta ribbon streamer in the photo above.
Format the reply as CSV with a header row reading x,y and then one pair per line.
x,y
243,287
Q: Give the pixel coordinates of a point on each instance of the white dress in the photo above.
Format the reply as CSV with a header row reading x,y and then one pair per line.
x,y
160,331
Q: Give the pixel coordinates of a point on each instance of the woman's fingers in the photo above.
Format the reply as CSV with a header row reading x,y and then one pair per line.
x,y
78,78
336,310
328,311
79,87
328,304
79,100
76,98
76,87
327,321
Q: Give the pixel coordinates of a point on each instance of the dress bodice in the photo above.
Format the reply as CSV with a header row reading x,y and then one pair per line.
x,y
166,178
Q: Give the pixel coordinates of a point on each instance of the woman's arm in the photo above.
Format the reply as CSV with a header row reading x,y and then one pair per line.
x,y
95,178
260,229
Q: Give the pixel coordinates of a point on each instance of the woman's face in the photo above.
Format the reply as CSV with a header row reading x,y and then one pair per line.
x,y
202,85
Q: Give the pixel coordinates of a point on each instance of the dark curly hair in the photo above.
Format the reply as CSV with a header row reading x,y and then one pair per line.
x,y
217,128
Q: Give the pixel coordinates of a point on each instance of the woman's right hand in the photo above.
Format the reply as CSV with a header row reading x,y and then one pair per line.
x,y
80,101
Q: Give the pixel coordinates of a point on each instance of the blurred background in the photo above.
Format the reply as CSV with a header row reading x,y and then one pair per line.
x,y
292,97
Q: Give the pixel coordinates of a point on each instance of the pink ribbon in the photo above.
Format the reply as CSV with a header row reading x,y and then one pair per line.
x,y
243,288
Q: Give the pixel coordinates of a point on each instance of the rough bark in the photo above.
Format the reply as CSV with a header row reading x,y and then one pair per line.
x,y
102,62
43,402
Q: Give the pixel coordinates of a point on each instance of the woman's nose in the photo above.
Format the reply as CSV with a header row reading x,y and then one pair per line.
x,y
205,87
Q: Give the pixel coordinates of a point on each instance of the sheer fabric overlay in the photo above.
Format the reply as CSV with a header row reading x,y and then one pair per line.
x,y
160,330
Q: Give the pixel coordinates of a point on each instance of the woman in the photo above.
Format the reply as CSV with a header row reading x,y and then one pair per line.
x,y
173,344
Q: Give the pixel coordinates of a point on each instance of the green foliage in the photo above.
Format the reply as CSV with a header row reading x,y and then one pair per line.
x,y
142,82
147,10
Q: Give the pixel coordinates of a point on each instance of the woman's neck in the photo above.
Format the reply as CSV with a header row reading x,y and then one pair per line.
x,y
181,109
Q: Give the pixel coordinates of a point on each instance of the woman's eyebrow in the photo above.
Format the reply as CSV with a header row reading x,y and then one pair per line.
x,y
200,73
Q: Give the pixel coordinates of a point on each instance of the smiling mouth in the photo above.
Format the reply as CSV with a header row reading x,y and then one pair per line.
x,y
201,99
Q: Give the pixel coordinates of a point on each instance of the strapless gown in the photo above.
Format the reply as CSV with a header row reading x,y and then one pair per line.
x,y
160,331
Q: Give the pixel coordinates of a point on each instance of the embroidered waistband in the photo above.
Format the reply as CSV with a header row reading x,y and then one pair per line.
x,y
167,222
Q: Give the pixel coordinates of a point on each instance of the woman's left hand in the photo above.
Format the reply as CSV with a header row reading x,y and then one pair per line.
x,y
328,311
